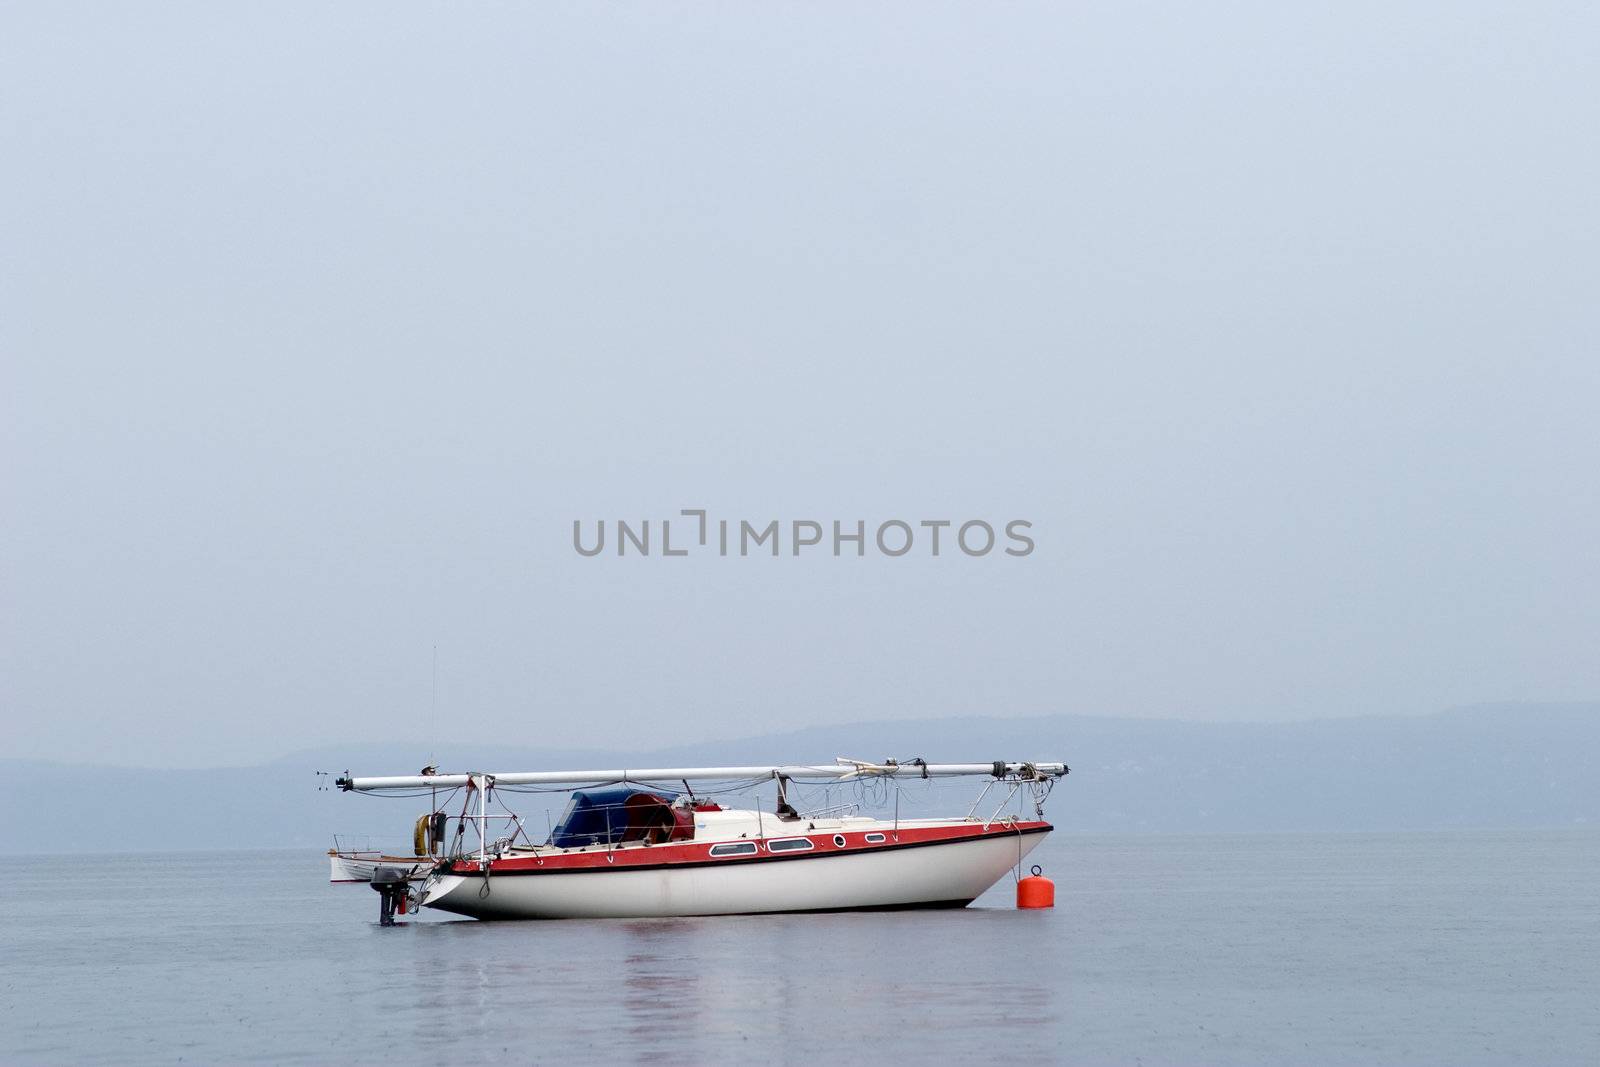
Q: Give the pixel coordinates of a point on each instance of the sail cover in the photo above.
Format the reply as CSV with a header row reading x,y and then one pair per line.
x,y
620,813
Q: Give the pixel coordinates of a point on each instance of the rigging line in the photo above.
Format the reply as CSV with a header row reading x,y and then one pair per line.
x,y
401,796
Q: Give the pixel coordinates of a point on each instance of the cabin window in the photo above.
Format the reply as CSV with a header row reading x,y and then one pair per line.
x,y
734,848
790,844
876,839
838,840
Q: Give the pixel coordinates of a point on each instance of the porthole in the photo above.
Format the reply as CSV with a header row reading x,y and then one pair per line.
x,y
790,844
838,840
876,839
733,848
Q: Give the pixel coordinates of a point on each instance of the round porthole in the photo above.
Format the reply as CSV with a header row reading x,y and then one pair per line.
x,y
838,840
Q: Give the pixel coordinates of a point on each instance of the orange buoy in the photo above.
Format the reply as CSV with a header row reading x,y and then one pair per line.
x,y
1036,891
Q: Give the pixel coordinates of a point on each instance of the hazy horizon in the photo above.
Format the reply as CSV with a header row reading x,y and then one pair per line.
x,y
320,326
1496,766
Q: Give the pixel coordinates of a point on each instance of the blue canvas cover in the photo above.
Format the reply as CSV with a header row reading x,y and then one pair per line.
x,y
600,816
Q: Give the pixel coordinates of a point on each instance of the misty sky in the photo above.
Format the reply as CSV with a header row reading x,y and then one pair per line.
x,y
320,323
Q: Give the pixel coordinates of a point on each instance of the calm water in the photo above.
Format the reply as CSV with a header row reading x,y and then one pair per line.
x,y
1406,948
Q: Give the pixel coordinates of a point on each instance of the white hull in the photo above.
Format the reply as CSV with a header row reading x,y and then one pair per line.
x,y
947,873
359,867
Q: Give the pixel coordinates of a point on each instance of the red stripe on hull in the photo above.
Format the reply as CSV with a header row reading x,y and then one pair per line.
x,y
698,853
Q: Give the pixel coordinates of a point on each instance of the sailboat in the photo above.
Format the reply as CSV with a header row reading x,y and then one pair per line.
x,y
633,844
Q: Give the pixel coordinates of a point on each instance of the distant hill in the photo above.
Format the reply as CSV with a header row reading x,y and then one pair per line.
x,y
1489,766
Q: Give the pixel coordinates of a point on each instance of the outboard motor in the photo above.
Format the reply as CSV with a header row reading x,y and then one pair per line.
x,y
390,882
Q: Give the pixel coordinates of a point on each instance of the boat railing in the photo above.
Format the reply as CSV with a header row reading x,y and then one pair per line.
x,y
837,811
460,846
348,843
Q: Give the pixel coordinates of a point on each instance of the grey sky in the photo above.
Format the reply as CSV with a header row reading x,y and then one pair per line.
x,y
321,323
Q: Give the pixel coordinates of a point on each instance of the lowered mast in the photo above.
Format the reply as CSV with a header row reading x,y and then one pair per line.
x,y
840,770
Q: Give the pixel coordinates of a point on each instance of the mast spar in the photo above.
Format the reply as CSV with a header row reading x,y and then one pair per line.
x,y
840,770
